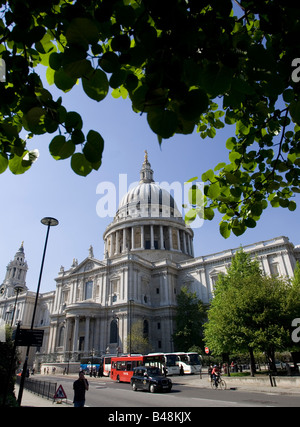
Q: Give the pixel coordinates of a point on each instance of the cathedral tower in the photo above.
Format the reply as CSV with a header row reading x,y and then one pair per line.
x,y
15,277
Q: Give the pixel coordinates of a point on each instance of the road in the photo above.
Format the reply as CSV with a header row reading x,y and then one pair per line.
x,y
106,393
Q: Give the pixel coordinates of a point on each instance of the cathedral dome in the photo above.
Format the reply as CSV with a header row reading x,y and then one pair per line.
x,y
147,199
148,222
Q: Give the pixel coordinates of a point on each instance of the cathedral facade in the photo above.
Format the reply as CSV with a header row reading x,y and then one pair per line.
x,y
149,256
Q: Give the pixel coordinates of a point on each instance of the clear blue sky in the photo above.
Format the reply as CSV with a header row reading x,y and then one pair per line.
x,y
51,188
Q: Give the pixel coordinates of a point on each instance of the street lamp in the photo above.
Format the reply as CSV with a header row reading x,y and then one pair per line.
x,y
49,222
116,319
18,289
130,323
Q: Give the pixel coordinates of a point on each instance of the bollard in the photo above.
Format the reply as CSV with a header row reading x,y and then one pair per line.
x,y
270,376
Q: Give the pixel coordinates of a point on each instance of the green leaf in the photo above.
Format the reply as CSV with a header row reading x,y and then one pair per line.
x,y
224,229
80,164
93,148
195,103
73,121
77,69
242,128
3,163
50,75
77,136
230,143
162,122
213,191
208,176
55,60
295,111
209,213
60,148
190,216
109,62
238,227
292,206
216,79
63,81
96,85
191,180
82,31
18,165
250,223
32,120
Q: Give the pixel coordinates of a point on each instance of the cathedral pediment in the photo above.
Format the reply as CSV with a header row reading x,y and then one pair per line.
x,y
88,264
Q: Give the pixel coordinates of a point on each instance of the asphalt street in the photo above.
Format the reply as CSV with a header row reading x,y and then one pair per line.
x,y
187,392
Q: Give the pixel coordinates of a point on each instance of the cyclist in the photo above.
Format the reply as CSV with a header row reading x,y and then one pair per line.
x,y
215,374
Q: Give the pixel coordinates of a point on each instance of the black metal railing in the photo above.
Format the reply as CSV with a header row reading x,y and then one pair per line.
x,y
41,388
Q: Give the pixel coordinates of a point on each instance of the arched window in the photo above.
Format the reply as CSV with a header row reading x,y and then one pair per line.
x,y
114,331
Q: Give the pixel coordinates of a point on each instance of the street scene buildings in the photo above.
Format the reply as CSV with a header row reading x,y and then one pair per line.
x,y
149,256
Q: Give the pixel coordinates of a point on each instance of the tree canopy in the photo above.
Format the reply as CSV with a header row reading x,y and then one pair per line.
x,y
189,65
250,311
190,317
137,340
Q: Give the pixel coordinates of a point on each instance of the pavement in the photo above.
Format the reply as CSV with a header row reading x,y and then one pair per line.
x,y
32,400
257,385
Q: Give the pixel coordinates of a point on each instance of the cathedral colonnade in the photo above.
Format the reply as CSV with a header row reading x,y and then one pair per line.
x,y
81,334
147,236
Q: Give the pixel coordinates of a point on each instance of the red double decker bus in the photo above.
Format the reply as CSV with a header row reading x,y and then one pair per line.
x,y
122,367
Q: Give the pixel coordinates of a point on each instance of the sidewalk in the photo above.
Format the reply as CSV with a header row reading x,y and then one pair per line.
x,y
30,400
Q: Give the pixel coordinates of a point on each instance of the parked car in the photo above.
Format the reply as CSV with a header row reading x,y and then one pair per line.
x,y
150,378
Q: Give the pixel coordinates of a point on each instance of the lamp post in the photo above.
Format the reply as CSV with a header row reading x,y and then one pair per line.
x,y
116,319
49,222
130,323
18,289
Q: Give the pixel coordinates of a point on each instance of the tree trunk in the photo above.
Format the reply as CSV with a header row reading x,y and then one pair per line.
x,y
252,363
271,360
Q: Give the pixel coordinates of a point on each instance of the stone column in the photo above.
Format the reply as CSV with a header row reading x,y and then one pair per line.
x,y
184,242
117,242
152,236
66,337
97,334
170,238
124,240
75,336
87,334
178,240
111,246
142,238
132,237
161,233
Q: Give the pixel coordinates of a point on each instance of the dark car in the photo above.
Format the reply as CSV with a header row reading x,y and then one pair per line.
x,y
150,378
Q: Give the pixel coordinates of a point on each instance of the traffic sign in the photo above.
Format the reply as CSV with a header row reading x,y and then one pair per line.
x,y
60,393
29,337
206,350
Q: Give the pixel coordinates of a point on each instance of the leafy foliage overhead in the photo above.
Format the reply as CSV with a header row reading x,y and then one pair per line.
x,y
191,64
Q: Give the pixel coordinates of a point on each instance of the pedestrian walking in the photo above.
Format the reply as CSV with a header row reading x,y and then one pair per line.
x,y
80,386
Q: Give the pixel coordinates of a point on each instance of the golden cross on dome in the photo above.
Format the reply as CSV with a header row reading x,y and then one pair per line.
x,y
146,156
